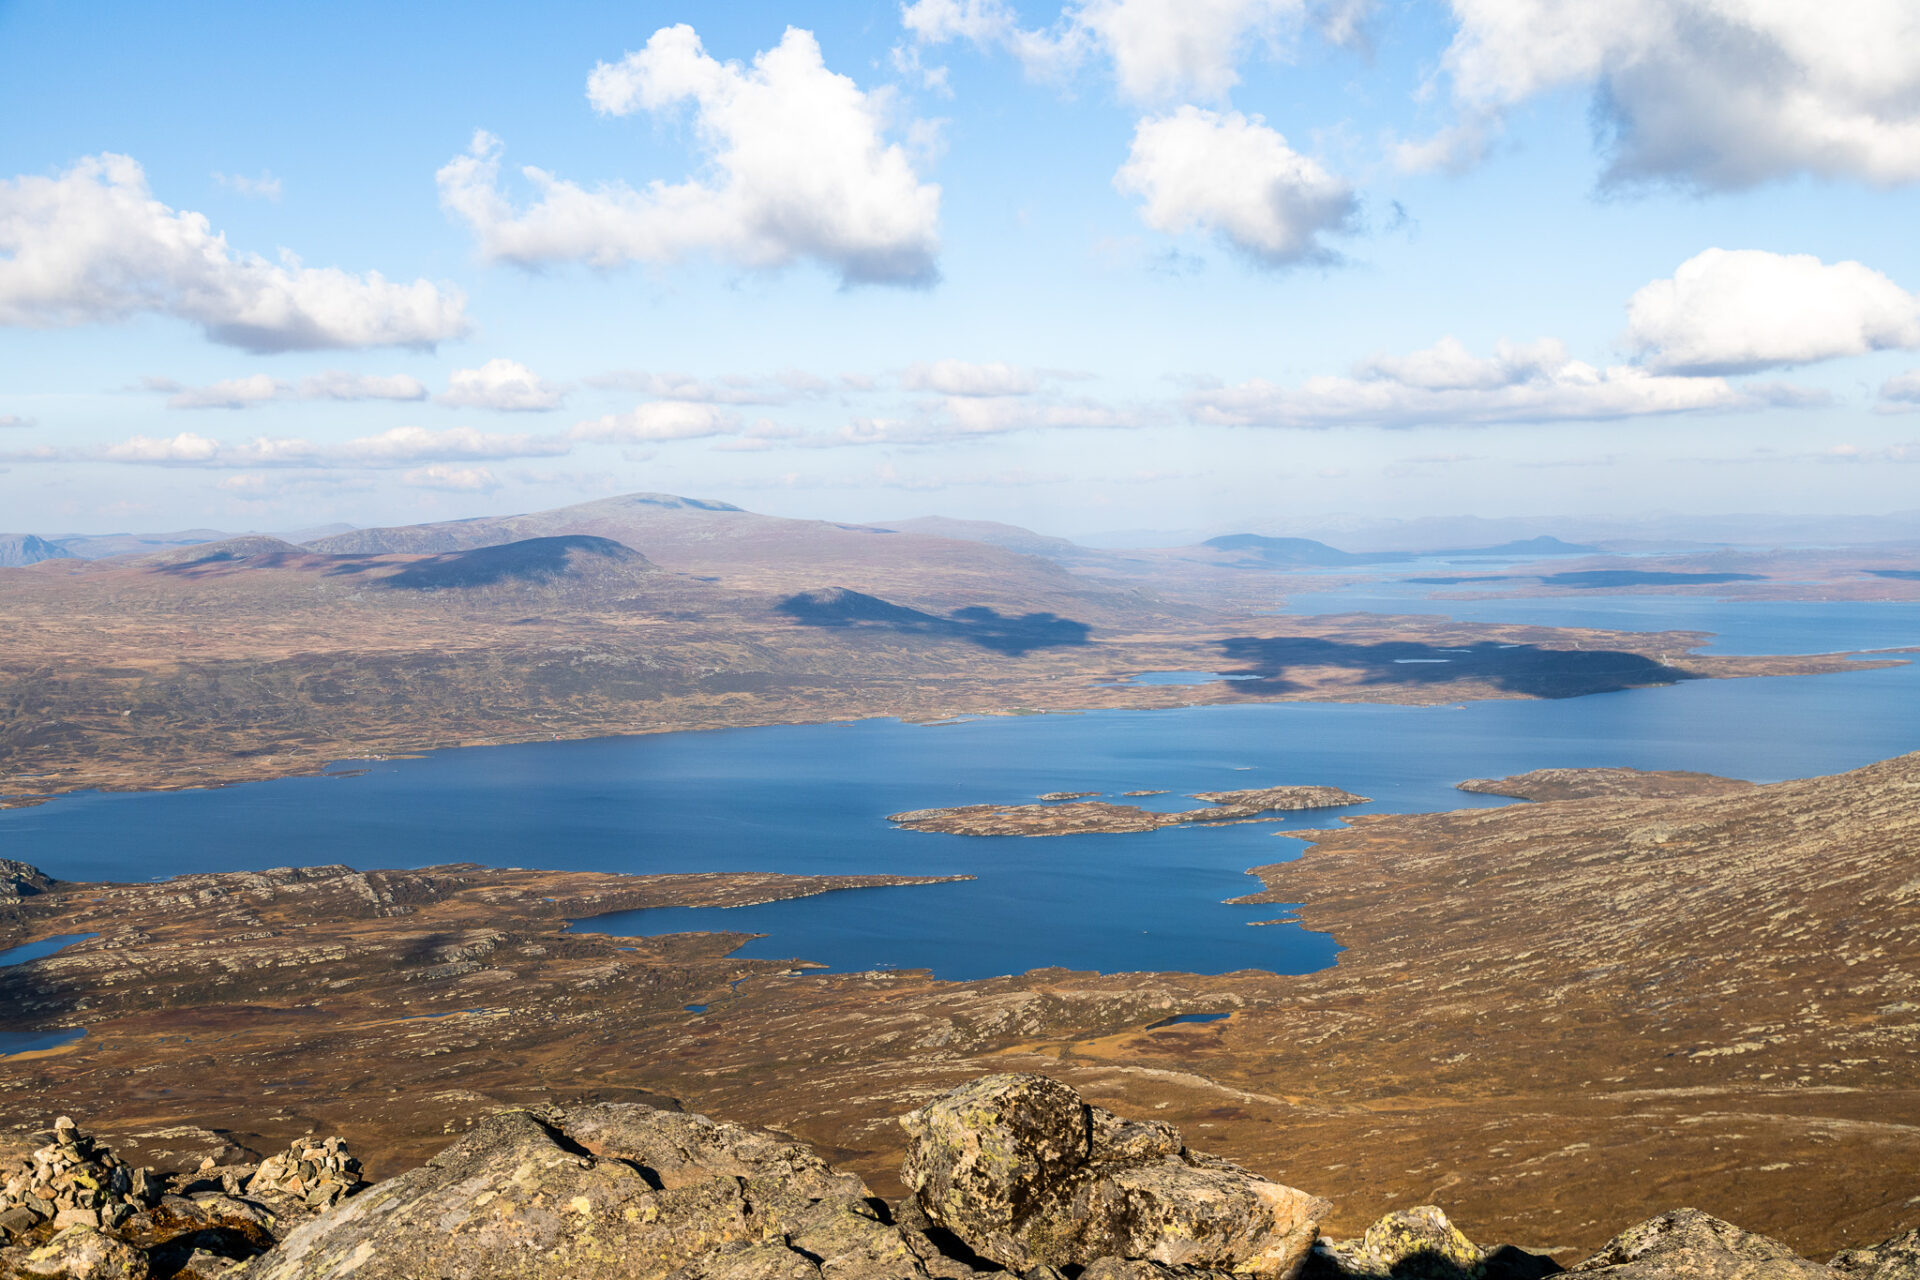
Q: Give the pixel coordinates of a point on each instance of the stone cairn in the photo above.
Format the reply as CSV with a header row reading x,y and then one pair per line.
x,y
73,1181
320,1173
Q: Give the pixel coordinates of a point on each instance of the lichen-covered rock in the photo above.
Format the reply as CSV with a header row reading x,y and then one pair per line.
x,y
1421,1243
1687,1244
1895,1259
1421,1236
1140,1269
1027,1174
605,1192
1418,1244
83,1253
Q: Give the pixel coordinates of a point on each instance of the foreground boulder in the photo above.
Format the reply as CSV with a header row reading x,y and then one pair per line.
x,y
1028,1175
85,1253
612,1190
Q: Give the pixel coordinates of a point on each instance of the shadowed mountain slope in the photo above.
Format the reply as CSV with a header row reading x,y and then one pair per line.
x,y
531,560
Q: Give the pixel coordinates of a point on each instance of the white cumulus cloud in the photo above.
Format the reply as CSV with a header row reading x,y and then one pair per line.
x,y
1741,310
797,165
659,420
1205,171
1714,94
506,385
1447,385
92,245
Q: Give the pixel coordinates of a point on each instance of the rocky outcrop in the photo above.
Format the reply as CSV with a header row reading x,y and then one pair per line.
x,y
1028,1175
1895,1259
1687,1244
20,880
606,1191
1010,1175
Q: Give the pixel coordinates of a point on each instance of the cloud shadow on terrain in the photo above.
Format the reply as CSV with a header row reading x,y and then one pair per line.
x,y
1523,669
529,560
988,628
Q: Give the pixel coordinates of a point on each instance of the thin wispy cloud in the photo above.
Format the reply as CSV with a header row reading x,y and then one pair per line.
x,y
261,388
264,187
398,447
786,387
1447,384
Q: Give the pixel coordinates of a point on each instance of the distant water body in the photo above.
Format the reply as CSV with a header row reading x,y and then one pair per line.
x,y
813,799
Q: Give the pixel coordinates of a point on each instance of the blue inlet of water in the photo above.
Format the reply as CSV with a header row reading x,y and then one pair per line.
x,y
813,799
45,947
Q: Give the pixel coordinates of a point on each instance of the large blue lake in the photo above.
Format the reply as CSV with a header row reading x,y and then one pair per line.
x,y
814,799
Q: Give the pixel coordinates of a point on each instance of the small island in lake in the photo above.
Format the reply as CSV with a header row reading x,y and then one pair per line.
x,y
1099,817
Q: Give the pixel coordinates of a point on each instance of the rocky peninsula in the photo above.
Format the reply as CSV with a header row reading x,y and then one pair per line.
x,y
1075,816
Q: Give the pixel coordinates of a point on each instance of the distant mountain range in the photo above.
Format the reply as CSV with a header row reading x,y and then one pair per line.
x,y
21,549
1360,541
1308,553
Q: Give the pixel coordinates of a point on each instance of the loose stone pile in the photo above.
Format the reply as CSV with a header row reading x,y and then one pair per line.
x,y
73,1181
319,1173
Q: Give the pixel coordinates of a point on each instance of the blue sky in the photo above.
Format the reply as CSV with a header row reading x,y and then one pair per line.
x,y
1118,264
